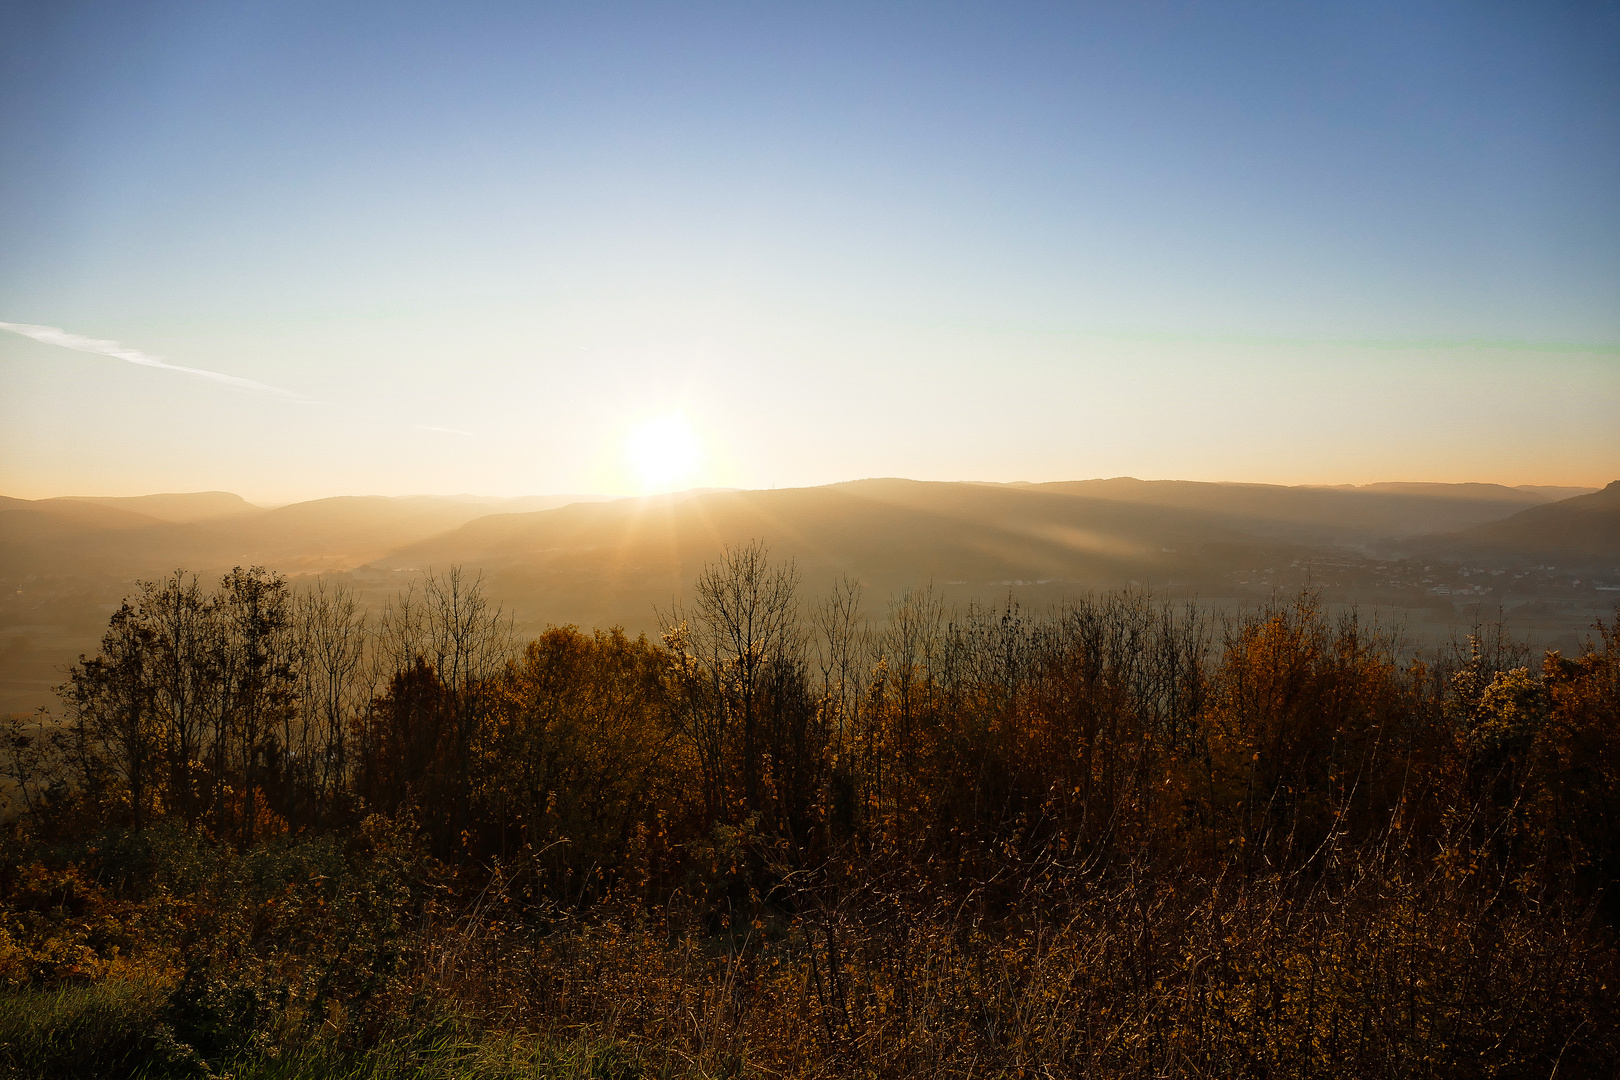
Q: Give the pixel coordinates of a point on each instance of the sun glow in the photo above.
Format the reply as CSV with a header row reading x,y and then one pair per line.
x,y
663,453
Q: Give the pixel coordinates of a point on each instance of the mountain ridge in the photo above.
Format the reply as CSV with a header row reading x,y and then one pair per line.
x,y
1585,527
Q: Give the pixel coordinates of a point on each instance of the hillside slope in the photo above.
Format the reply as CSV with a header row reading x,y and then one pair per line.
x,y
616,561
1586,528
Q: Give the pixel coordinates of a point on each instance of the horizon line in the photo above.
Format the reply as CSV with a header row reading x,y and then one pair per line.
x,y
273,504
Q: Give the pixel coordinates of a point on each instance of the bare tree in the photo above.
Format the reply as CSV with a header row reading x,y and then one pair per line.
x,y
449,621
332,647
912,647
32,756
842,641
466,639
259,679
744,617
698,709
184,628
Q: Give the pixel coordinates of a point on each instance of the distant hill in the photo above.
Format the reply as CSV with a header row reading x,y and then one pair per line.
x,y
1553,494
1586,527
70,537
337,533
522,504
612,562
912,528
22,518
1321,515
177,507
211,531
616,560
1093,530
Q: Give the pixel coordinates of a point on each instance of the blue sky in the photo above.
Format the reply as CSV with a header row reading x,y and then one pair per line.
x,y
483,246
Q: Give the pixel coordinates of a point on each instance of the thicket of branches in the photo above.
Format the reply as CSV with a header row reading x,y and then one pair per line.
x,y
1126,837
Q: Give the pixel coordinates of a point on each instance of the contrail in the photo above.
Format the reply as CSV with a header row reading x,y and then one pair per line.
x,y
50,335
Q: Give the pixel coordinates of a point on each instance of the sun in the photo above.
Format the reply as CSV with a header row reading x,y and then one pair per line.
x,y
663,453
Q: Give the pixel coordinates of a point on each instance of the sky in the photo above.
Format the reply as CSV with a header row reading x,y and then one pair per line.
x,y
293,250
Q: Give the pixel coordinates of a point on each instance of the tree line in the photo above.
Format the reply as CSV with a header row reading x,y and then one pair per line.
x,y
257,709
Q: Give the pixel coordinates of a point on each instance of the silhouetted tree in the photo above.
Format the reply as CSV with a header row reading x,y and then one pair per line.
x,y
744,618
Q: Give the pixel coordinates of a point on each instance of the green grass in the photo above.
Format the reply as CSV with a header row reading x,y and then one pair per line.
x,y
99,1030
116,1029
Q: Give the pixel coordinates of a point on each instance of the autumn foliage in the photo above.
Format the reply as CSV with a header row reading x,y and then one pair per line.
x,y
1129,837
